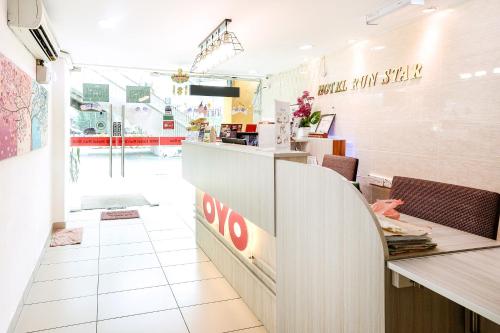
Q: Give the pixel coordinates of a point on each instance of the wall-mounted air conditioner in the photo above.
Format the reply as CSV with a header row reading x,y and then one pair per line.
x,y
28,19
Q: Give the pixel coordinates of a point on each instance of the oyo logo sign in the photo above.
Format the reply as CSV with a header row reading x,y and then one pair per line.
x,y
236,223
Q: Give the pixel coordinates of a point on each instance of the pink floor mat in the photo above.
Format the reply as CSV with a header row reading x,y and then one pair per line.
x,y
64,237
120,215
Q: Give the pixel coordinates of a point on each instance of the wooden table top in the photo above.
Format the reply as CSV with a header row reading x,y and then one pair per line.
x,y
470,278
448,240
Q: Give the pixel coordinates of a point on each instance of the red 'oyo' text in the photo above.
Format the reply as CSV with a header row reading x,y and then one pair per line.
x,y
235,221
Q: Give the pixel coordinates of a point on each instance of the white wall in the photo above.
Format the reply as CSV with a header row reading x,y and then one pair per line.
x,y
25,208
59,139
440,127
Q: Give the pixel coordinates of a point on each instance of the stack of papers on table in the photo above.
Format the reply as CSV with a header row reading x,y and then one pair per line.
x,y
403,237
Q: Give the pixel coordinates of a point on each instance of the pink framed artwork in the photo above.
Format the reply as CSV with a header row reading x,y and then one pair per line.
x,y
23,111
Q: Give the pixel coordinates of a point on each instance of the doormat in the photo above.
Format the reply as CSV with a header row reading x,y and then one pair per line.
x,y
64,237
113,201
120,215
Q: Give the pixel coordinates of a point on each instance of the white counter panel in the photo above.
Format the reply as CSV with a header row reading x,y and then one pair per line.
x,y
241,177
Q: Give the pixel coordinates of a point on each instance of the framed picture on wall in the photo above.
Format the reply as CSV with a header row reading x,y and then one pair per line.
x,y
325,124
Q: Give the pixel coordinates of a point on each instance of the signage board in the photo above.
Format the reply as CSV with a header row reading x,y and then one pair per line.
x,y
213,91
390,75
95,92
168,125
282,129
95,107
168,110
138,94
103,141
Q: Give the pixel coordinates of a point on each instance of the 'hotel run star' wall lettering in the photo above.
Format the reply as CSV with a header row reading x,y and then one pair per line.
x,y
391,75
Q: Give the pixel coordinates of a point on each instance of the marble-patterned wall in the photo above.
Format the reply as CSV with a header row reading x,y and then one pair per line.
x,y
444,126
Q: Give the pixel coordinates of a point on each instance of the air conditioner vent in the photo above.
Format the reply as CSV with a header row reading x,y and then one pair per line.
x,y
44,42
29,21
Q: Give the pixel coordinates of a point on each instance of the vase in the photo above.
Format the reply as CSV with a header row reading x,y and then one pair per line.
x,y
303,132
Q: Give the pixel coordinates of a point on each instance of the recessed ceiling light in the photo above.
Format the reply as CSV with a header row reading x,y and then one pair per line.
x,y
496,70
378,48
109,23
306,47
429,10
480,73
465,76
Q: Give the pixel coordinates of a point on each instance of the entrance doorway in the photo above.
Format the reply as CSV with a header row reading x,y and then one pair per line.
x,y
126,132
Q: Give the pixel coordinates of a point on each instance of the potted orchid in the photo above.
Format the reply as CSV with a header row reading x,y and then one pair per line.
x,y
304,114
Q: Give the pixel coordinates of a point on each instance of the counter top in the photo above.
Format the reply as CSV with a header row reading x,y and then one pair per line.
x,y
471,278
248,149
448,239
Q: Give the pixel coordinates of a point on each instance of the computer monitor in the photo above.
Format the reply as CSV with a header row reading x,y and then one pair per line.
x,y
235,141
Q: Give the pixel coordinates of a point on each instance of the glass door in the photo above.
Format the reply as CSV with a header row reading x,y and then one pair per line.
x,y
126,131
117,143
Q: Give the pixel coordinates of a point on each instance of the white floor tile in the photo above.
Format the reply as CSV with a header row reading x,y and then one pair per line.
x,y
90,237
93,215
62,289
161,214
191,224
219,317
191,272
124,234
119,223
169,321
82,328
182,257
121,250
133,302
205,291
165,218
175,244
82,224
57,314
68,254
259,329
170,234
129,263
66,270
131,280
154,226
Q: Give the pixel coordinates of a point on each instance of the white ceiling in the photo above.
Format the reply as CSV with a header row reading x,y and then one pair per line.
x,y
164,34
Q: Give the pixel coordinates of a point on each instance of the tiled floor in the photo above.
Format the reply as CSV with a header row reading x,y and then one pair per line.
x,y
144,275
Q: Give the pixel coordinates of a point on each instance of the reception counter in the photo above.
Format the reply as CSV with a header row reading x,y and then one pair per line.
x,y
302,247
236,216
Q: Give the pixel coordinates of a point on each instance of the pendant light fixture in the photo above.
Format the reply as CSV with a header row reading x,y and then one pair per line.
x,y
218,47
180,80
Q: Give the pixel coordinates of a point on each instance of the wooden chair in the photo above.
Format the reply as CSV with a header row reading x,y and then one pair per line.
x,y
346,166
464,208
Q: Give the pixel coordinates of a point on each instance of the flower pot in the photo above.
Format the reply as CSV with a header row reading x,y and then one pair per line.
x,y
303,132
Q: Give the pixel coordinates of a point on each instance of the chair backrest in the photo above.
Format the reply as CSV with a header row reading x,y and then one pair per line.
x,y
464,208
346,166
